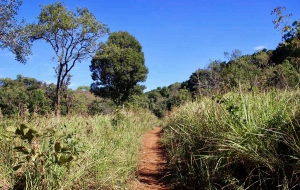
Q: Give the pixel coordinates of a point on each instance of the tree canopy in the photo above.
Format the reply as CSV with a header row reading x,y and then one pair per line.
x,y
13,35
118,67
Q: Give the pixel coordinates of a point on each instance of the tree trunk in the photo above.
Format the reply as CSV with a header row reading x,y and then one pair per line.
x,y
58,88
57,104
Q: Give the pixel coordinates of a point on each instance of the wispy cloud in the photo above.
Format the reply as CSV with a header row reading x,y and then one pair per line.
x,y
257,48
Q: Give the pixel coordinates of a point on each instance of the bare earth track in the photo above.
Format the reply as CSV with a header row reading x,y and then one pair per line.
x,y
153,170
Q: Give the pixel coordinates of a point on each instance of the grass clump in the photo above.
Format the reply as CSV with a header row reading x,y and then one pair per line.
x,y
236,141
103,151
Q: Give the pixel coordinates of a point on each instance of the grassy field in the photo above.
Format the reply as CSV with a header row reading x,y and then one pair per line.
x,y
98,152
236,141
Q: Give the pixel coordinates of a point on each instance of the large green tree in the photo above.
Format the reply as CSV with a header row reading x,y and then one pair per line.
x,y
118,67
13,34
73,35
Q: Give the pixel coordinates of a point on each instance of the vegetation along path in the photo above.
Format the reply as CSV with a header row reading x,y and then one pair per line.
x,y
153,170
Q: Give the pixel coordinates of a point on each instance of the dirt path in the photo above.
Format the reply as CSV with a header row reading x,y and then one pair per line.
x,y
153,171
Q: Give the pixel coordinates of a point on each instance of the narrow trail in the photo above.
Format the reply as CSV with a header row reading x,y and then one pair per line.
x,y
153,170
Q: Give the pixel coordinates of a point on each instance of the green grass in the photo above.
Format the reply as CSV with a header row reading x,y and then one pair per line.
x,y
236,141
110,146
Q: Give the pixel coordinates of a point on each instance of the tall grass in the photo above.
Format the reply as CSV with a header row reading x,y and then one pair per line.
x,y
110,149
236,141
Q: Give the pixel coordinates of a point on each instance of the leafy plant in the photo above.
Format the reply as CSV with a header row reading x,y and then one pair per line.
x,y
37,161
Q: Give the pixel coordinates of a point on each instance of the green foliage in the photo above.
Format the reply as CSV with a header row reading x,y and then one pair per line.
x,y
98,107
165,99
38,103
22,96
165,92
200,80
290,47
236,141
138,101
83,88
118,67
286,75
34,162
80,102
244,72
13,97
157,102
184,96
261,58
28,98
119,118
13,35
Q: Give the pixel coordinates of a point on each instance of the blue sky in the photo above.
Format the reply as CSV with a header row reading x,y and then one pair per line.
x,y
178,36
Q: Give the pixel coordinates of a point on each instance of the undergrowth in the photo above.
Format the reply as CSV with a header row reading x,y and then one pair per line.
x,y
102,151
236,141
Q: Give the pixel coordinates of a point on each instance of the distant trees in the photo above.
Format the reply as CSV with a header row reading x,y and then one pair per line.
x,y
163,99
84,88
118,68
26,97
13,34
72,35
22,96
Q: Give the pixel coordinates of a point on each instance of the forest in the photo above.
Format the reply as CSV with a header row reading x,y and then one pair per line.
x,y
231,125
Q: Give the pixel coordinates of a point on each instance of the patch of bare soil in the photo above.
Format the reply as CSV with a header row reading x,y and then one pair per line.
x,y
153,171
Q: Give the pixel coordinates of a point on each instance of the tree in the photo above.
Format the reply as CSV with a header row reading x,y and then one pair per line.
x,y
157,103
83,88
290,36
261,58
13,35
118,67
286,76
165,92
233,57
38,102
13,97
72,35
203,81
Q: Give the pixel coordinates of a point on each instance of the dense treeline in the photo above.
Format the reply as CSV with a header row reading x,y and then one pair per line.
x,y
261,71
25,96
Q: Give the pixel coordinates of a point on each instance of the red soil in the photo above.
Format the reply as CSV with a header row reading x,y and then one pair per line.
x,y
153,170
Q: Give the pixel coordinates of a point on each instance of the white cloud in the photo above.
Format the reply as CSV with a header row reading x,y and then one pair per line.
x,y
257,48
